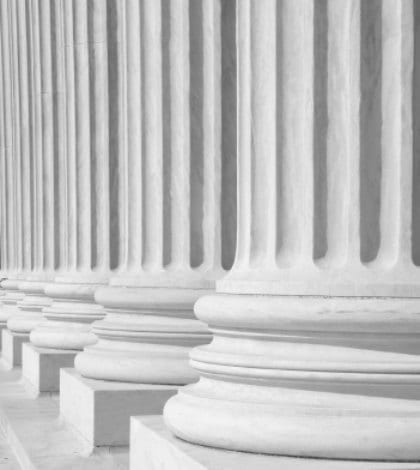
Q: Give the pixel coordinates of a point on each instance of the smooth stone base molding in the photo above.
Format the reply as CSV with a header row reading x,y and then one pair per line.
x,y
28,314
145,337
100,411
41,367
71,313
11,347
11,295
153,447
305,376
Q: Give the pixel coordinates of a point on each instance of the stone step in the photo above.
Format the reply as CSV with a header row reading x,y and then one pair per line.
x,y
153,447
38,437
7,458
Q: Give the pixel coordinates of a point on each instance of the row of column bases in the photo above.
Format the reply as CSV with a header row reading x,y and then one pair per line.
x,y
308,343
305,386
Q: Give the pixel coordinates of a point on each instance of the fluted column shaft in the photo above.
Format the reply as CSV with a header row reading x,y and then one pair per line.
x,y
171,190
81,55
316,327
11,228
38,159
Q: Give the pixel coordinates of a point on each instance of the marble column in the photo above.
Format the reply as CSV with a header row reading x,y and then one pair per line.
x,y
171,192
10,230
86,214
317,326
39,158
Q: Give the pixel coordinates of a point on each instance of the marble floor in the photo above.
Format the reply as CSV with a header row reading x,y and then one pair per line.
x,y
34,433
7,458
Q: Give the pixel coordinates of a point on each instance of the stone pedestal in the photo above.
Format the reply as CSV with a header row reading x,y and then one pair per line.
x,y
99,410
41,367
11,348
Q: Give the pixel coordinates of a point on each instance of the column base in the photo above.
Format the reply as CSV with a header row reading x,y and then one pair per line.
x,y
332,378
153,447
41,367
100,411
11,347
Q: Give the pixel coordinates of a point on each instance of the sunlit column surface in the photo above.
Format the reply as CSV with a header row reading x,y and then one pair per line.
x,y
317,326
176,183
81,52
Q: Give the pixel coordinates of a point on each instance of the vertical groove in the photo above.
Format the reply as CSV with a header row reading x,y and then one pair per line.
x,y
83,138
166,131
397,151
180,132
24,134
113,59
196,134
36,117
297,132
134,134
61,189
100,142
320,128
71,160
370,127
152,132
212,121
263,131
343,131
8,133
416,138
227,201
125,11
5,263
56,136
244,133
48,151
16,144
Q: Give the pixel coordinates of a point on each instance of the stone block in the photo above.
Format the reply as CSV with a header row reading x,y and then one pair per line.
x,y
154,447
100,410
11,347
41,366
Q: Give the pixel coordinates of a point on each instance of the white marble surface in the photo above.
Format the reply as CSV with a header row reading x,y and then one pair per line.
x,y
7,458
153,447
40,439
316,346
100,410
